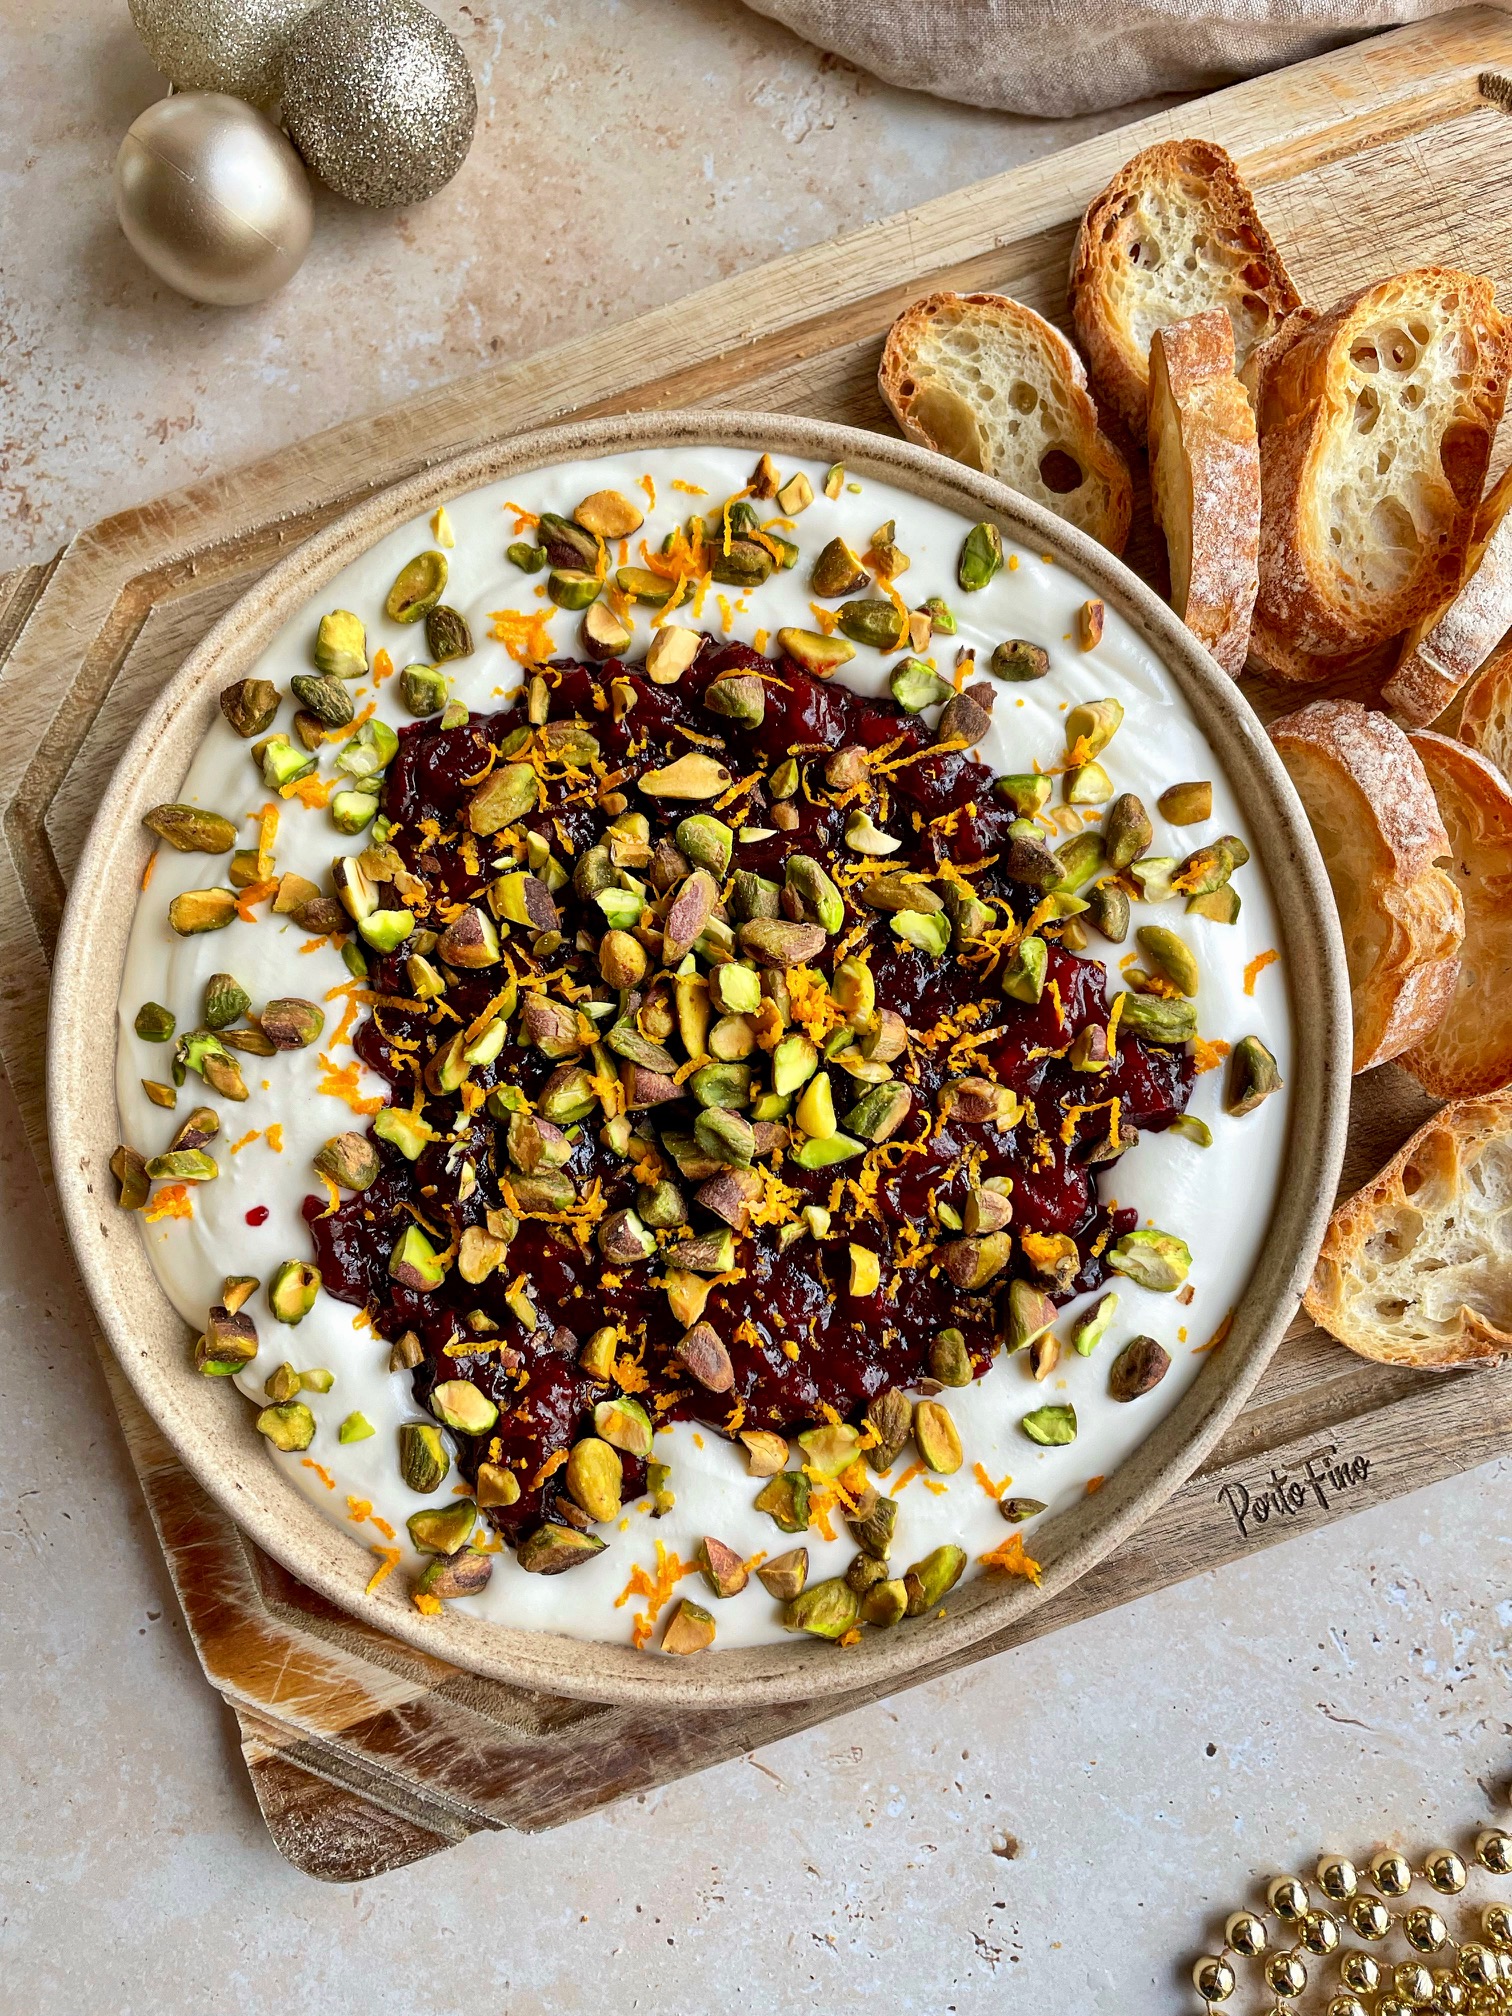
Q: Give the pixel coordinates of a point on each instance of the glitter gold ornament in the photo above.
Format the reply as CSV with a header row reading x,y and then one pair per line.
x,y
218,45
212,196
378,98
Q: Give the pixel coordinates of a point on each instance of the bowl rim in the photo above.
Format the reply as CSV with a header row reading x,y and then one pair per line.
x,y
223,1452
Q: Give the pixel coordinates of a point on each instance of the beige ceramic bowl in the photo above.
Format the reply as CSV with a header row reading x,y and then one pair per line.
x,y
210,1426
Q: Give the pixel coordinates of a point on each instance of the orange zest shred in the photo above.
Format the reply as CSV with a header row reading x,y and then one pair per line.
x,y
1212,1344
315,792
1095,1484
333,1193
1209,1055
525,634
358,1508
1256,967
246,1140
345,1083
388,1561
383,666
994,1491
309,1463
172,1201
1009,1557
913,1470
656,1589
650,489
274,1138
147,872
255,892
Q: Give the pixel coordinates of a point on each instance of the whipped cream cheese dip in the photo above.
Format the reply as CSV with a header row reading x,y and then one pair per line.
x,y
1217,1199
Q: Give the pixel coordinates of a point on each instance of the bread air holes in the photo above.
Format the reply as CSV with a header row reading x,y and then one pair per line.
x,y
1367,410
1394,1238
1022,397
1060,472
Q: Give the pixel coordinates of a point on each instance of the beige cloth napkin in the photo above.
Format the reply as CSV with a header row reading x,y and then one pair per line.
x,y
1057,57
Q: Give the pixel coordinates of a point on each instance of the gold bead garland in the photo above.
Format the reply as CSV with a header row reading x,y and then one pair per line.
x,y
1295,1941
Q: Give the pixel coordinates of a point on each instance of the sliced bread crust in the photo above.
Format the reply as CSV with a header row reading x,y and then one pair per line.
x,y
1376,425
1205,482
1373,813
988,382
1175,233
1415,1268
1470,1051
1451,642
1485,721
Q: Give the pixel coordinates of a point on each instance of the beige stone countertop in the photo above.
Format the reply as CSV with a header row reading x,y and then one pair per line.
x,y
1055,1832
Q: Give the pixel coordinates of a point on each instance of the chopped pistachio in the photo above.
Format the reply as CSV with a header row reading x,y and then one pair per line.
x,y
928,931
369,751
690,1629
671,651
183,1165
824,1609
1169,956
1253,1076
785,1500
424,689
290,1426
553,1548
497,1486
1157,1260
936,1437
915,686
874,621
229,1343
417,588
981,557
949,1360
249,706
624,1424
1051,1426
595,1477
190,830
1138,1368
414,1262
423,1461
1186,804
1090,1328
1018,661
1192,1129
1024,971
292,1290
155,1024
932,1579
462,1406
198,910
443,1529
355,1428
281,763
1157,1020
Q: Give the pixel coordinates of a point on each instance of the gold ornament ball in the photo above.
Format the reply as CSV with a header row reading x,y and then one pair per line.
x,y
1285,1973
1413,1982
1391,1873
1245,1932
1213,1978
1493,1851
214,199
1423,1929
1360,1972
1446,1872
1451,1994
1319,1932
1347,2005
218,45
1477,1966
1368,1918
1287,1897
378,98
1496,1923
1338,1878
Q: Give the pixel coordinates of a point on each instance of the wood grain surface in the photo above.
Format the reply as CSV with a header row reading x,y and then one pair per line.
x,y
364,1754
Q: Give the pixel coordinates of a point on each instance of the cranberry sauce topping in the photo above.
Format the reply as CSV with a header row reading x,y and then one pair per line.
x,y
800,1343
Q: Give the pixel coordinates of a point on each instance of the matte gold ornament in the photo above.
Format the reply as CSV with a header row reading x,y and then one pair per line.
x,y
378,98
212,196
218,45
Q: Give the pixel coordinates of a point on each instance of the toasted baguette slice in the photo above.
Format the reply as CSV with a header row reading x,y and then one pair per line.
x,y
1485,721
1376,425
1205,482
1450,643
1416,1268
991,384
1470,1052
1378,828
1176,232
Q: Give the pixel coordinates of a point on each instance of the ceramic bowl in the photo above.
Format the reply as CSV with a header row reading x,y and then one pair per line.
x,y
211,1427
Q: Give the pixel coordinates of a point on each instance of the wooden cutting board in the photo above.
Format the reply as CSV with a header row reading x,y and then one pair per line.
x,y
1396,152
